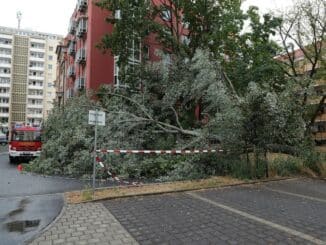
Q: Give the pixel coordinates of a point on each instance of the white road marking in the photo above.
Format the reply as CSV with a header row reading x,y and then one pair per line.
x,y
260,220
296,195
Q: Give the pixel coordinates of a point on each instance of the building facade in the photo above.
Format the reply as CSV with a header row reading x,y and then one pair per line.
x,y
81,65
27,75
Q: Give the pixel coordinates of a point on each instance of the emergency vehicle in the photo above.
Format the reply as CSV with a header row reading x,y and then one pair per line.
x,y
25,142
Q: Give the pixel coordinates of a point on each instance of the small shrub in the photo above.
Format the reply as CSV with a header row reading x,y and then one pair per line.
x,y
286,167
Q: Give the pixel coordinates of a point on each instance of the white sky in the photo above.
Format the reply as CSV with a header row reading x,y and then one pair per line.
x,y
52,16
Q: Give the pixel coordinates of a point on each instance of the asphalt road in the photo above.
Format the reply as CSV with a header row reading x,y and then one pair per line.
x,y
28,203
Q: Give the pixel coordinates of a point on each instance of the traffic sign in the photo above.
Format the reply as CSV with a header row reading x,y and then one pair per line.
x,y
96,118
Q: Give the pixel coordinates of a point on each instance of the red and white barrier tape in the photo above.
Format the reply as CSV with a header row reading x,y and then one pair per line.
x,y
113,176
118,151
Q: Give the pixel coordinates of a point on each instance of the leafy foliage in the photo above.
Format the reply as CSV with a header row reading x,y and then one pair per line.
x,y
222,88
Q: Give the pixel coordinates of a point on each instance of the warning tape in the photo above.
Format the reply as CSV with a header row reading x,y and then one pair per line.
x,y
113,176
119,151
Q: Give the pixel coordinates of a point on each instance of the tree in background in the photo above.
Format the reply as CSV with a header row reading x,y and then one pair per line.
x,y
303,33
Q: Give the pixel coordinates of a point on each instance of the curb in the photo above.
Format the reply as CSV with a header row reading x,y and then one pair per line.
x,y
50,225
179,191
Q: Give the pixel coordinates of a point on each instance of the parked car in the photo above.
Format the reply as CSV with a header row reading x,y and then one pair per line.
x,y
3,138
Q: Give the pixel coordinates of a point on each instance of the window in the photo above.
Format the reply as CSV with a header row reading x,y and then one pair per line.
x,y
116,71
166,15
146,52
50,57
50,48
50,67
185,23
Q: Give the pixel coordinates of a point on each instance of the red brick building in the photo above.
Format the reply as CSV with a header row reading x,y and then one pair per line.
x,y
81,65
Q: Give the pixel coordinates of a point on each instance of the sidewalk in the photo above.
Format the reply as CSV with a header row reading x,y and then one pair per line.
x,y
89,223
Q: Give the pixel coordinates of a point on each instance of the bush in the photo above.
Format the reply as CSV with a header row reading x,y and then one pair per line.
x,y
286,167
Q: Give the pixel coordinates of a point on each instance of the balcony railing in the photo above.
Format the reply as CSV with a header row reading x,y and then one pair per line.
x,y
35,87
4,114
36,106
82,28
5,105
82,5
81,56
35,96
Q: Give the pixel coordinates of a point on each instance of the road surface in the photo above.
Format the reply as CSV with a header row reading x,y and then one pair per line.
x,y
28,203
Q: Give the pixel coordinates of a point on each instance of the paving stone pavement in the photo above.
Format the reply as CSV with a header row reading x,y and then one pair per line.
x,y
89,223
181,219
251,214
304,215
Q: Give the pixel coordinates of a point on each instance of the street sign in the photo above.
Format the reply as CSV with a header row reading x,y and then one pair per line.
x,y
96,118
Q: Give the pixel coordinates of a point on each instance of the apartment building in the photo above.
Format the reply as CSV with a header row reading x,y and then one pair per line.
x,y
304,67
27,75
81,65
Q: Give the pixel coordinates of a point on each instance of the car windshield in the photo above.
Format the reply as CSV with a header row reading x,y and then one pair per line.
x,y
26,136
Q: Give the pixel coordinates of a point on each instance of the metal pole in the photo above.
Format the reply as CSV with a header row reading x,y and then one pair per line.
x,y
95,146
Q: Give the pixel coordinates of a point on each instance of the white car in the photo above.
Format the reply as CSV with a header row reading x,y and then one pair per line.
x,y
3,138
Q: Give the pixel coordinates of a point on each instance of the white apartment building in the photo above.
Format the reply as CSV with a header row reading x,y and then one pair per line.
x,y
27,75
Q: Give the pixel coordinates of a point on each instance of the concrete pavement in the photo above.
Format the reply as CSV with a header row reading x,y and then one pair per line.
x,y
283,212
89,223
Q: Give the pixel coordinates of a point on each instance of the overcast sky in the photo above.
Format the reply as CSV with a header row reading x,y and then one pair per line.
x,y
52,16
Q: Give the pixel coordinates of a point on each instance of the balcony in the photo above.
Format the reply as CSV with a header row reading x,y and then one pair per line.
x,y
4,85
6,75
37,49
3,114
321,118
81,56
35,106
35,96
72,27
35,87
4,105
72,48
82,28
6,45
71,71
82,5
37,59
38,78
80,83
36,68
5,95
34,115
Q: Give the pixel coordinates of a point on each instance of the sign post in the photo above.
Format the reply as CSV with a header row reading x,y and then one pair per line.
x,y
95,118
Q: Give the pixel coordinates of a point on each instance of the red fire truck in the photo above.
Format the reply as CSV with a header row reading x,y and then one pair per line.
x,y
25,142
